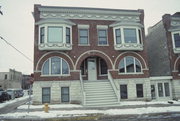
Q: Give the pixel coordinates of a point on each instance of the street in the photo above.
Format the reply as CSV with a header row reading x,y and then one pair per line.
x,y
145,117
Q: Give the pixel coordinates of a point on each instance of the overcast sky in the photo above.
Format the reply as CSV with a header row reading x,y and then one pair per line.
x,y
17,23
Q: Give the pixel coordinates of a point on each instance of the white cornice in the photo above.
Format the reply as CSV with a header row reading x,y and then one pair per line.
x,y
126,24
89,13
54,20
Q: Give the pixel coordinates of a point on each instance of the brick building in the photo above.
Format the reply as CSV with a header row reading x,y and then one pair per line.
x,y
163,42
90,56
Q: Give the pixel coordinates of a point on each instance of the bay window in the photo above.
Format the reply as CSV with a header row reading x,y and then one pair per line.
x,y
128,38
176,41
55,37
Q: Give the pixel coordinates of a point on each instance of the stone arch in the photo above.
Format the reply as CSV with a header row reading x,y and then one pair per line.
x,y
91,53
176,64
134,54
52,54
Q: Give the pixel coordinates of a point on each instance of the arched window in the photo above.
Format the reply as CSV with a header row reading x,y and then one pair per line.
x,y
130,64
55,66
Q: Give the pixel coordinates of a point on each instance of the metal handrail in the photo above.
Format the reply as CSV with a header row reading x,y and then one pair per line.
x,y
82,89
116,90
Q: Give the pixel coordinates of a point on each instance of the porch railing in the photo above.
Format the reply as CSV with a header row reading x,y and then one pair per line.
x,y
82,90
116,90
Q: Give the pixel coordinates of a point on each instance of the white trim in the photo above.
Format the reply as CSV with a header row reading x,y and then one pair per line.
x,y
175,49
83,26
106,36
88,42
118,24
160,77
145,68
175,63
89,51
102,27
51,53
50,67
125,69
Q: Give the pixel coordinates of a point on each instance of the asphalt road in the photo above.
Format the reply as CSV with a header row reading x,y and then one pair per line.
x,y
12,107
146,117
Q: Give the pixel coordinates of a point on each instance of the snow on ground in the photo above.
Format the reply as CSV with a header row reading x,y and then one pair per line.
x,y
126,103
74,113
2,105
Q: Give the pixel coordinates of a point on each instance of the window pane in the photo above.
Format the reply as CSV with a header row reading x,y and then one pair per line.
x,y
139,90
55,34
67,35
177,39
160,89
42,32
153,92
103,67
83,40
102,41
46,95
129,64
118,36
121,66
167,92
46,68
65,94
83,32
130,35
138,66
65,67
123,91
55,65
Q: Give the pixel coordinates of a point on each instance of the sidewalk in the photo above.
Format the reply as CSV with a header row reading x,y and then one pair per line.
x,y
72,110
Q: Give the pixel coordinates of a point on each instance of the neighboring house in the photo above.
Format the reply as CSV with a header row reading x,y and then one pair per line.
x,y
27,81
11,79
90,56
163,43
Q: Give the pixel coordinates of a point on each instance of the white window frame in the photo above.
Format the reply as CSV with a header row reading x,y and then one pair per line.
x,y
82,26
173,40
134,60
121,28
102,27
50,68
54,25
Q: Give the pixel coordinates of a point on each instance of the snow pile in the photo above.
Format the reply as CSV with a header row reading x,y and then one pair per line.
x,y
74,113
4,104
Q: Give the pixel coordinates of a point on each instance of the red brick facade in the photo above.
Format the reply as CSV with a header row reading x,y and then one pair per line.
x,y
78,53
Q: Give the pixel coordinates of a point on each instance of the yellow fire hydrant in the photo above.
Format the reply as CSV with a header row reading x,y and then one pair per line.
x,y
46,108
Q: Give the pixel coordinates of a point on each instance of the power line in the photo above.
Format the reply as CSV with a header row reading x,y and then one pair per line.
x,y
16,49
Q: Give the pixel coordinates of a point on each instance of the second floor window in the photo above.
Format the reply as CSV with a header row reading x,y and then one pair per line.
x,y
176,38
83,37
126,35
55,34
102,37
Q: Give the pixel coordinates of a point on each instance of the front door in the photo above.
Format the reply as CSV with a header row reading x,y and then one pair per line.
x,y
92,72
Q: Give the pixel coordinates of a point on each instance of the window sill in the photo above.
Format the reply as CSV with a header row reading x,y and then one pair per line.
x,y
83,44
65,75
128,46
176,50
103,75
55,46
129,73
103,45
